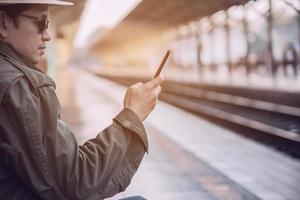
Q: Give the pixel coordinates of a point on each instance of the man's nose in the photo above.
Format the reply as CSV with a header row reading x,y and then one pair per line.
x,y
45,36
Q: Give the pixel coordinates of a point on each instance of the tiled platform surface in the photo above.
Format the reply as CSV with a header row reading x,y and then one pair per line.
x,y
189,157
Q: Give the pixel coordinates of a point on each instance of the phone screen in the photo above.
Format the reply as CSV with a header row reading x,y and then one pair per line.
x,y
162,63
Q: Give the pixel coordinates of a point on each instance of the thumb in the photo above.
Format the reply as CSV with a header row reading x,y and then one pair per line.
x,y
136,85
155,82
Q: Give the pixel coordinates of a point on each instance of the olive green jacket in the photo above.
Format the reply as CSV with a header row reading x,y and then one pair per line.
x,y
39,156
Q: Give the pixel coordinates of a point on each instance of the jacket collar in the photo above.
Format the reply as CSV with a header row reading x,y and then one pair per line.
x,y
36,77
7,51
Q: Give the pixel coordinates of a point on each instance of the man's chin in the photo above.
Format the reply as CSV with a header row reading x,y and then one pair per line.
x,y
36,61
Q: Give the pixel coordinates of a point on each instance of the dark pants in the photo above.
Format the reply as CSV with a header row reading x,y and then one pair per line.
x,y
134,198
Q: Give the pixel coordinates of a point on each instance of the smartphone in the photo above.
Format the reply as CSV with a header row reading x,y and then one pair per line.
x,y
162,64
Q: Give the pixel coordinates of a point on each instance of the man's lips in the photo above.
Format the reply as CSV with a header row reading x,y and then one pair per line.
x,y
42,48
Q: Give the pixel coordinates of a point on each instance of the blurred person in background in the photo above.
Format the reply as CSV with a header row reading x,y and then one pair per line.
x,y
39,156
289,58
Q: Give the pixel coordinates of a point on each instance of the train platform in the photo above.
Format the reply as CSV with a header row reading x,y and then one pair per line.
x,y
189,157
219,77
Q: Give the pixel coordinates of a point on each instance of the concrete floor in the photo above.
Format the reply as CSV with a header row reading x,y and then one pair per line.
x,y
189,158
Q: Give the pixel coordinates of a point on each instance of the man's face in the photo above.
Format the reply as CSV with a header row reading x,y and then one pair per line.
x,y
27,39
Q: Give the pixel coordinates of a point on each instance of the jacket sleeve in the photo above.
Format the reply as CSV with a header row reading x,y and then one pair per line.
x,y
45,155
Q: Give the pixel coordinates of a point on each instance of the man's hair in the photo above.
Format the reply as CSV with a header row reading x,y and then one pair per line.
x,y
13,11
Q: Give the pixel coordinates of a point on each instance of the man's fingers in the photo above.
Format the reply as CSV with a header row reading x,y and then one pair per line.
x,y
136,85
158,80
157,91
155,82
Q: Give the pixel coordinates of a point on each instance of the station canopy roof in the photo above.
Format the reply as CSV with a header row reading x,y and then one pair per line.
x,y
154,16
62,13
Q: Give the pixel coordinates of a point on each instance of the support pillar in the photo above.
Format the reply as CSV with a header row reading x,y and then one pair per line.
x,y
271,62
213,66
247,43
227,43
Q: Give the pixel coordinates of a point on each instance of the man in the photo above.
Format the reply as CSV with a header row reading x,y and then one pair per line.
x,y
289,58
39,156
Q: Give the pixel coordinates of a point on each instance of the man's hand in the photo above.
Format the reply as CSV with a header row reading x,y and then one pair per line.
x,y
142,98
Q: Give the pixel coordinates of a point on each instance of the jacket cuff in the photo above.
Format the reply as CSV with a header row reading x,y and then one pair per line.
x,y
129,120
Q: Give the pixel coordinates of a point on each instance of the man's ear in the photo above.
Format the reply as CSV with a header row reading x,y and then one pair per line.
x,y
3,25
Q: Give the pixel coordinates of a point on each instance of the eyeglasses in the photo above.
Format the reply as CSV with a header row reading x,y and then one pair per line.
x,y
42,22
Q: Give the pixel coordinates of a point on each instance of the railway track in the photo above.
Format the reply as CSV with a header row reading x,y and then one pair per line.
x,y
266,116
